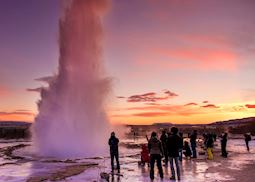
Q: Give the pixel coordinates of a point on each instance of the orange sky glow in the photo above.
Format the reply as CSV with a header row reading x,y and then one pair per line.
x,y
170,61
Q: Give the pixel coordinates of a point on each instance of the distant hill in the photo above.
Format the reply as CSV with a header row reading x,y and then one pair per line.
x,y
15,130
234,122
14,124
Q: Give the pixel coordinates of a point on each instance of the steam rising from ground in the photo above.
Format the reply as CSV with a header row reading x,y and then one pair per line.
x,y
72,120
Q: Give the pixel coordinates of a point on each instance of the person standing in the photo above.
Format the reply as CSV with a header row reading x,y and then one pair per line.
x,y
173,146
193,143
181,147
224,139
186,150
114,151
155,150
209,146
247,138
163,139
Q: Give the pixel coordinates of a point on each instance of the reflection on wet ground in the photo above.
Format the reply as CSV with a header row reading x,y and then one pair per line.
x,y
199,170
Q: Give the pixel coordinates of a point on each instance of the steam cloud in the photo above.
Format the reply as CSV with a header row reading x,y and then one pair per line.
x,y
72,120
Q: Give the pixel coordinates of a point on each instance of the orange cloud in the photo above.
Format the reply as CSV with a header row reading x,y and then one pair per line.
x,y
17,112
191,104
151,114
238,108
17,115
250,106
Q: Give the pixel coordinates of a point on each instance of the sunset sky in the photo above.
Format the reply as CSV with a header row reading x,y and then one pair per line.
x,y
179,61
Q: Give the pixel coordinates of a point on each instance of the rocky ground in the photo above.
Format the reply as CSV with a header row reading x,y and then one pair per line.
x,y
17,164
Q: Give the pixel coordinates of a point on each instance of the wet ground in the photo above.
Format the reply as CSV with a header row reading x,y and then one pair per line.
x,y
21,165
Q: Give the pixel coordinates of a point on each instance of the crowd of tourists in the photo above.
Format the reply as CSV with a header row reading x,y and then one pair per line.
x,y
170,147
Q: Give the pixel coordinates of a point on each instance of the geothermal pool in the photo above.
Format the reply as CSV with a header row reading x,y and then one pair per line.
x,y
26,166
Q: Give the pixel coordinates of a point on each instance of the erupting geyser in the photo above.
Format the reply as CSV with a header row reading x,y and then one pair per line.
x,y
72,120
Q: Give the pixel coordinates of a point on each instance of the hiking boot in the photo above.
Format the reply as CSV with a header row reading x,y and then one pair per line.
x,y
172,178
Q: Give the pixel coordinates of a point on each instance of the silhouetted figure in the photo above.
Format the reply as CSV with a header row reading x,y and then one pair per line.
x,y
247,138
155,150
114,151
163,139
214,137
224,139
173,146
135,135
181,147
186,150
209,146
193,143
205,136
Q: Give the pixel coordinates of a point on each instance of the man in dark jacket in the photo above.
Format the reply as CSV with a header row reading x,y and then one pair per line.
x,y
181,146
224,139
193,143
163,139
173,146
114,151
155,150
247,138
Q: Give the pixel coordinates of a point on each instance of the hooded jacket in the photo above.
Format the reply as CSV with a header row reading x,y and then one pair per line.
x,y
174,143
155,146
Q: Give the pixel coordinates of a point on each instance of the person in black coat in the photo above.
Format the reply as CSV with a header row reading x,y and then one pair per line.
x,y
114,151
173,146
193,143
181,146
186,149
163,139
224,139
247,138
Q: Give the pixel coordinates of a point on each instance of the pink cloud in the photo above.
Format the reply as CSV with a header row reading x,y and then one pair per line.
x,y
212,106
170,94
201,58
151,97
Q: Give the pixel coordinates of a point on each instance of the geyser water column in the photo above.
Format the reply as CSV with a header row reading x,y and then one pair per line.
x,y
72,120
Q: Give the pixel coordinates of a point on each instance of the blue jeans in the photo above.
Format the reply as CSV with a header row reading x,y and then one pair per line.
x,y
180,154
193,148
172,161
155,158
